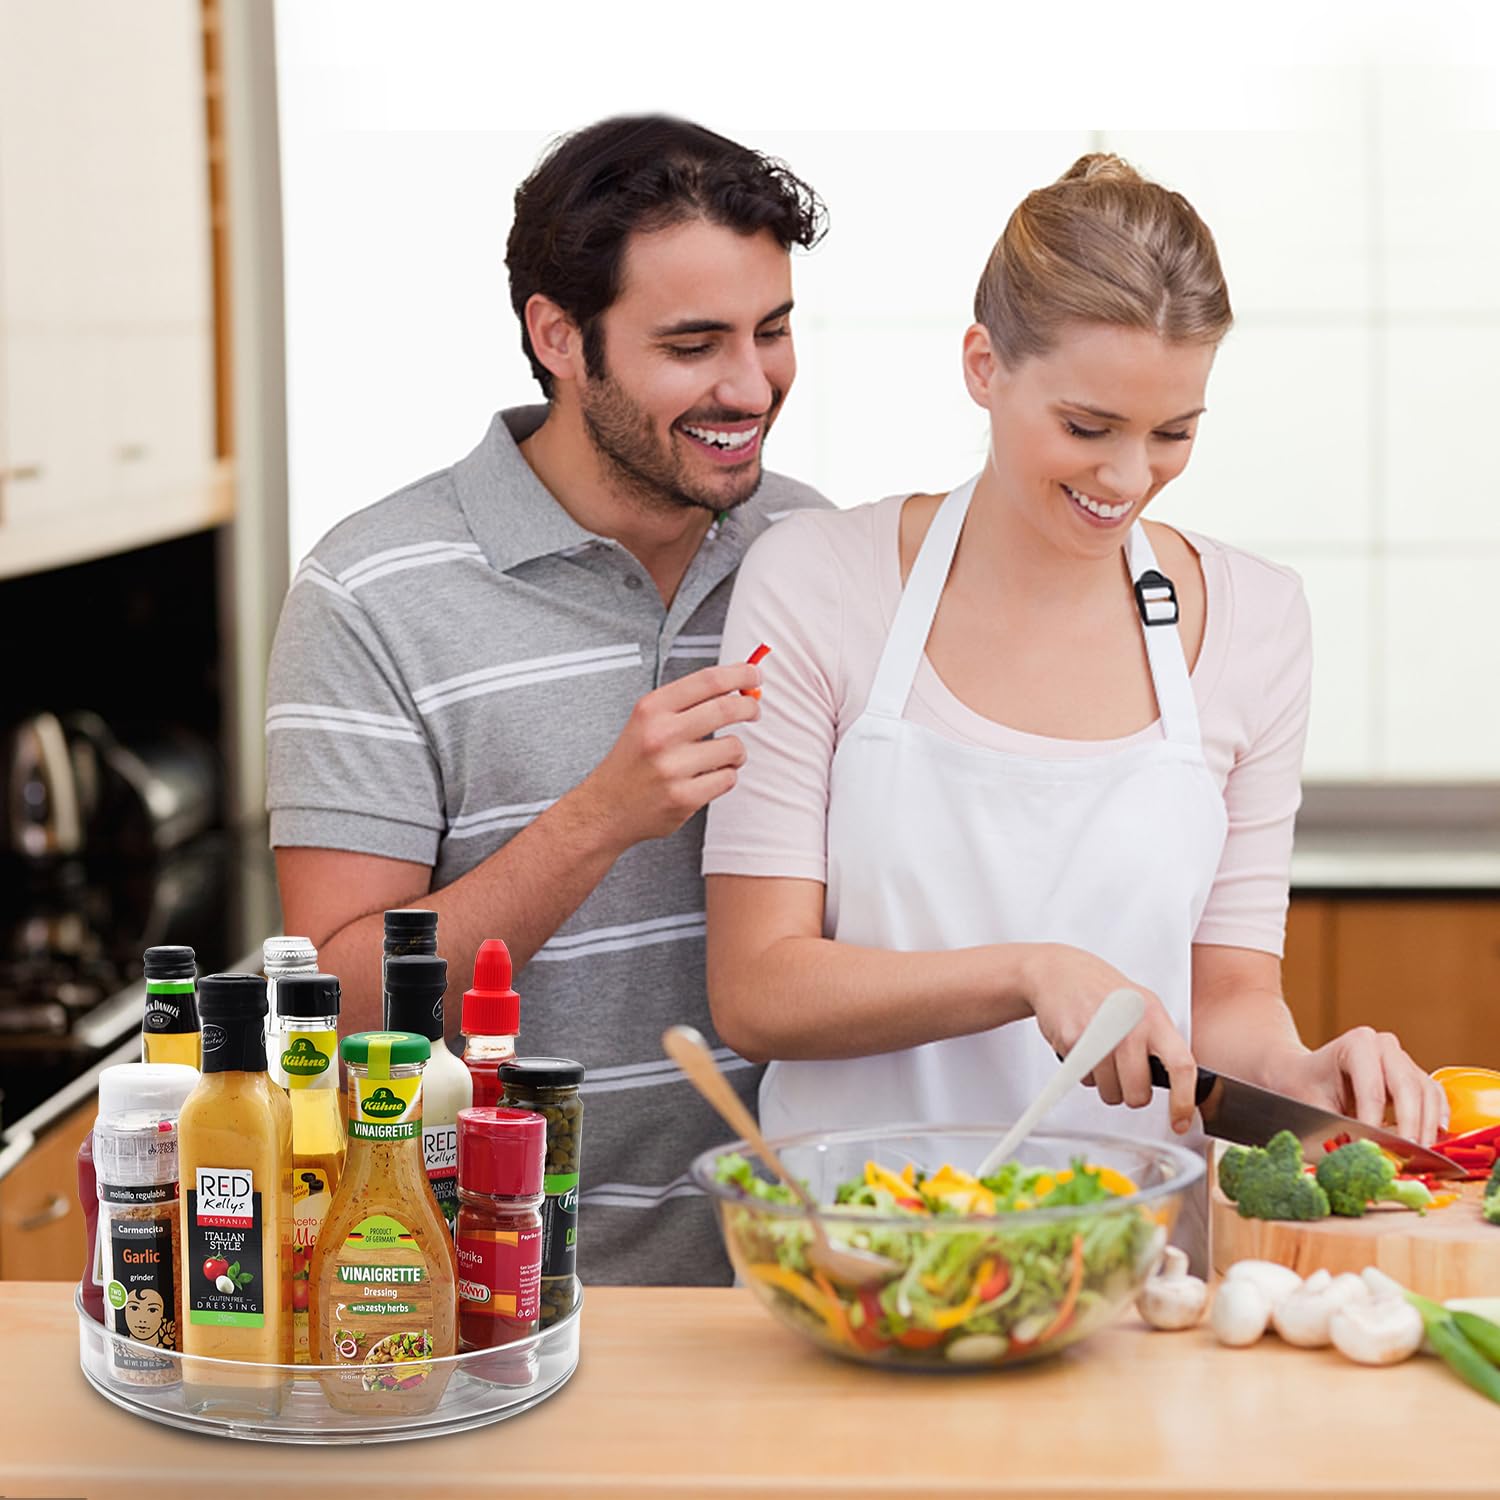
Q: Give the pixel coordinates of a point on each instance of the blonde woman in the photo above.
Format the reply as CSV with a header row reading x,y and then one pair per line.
x,y
1019,747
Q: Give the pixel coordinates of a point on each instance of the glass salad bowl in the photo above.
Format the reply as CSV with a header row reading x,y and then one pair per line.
x,y
290,1403
1037,1257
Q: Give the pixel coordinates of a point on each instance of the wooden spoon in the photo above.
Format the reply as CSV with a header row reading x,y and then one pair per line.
x,y
842,1263
1111,1024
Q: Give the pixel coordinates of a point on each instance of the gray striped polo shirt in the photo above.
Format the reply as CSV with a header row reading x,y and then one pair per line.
x,y
450,661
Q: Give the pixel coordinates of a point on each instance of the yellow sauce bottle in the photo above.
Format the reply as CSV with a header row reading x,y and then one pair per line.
x,y
302,1052
169,1028
384,1274
235,1161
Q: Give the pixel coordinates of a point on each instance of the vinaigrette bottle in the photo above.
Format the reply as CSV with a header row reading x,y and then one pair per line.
x,y
384,1277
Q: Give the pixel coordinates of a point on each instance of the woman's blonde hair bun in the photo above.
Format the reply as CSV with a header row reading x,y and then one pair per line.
x,y
1101,166
1102,244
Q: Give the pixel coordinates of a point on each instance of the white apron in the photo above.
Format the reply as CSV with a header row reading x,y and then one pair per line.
x,y
937,845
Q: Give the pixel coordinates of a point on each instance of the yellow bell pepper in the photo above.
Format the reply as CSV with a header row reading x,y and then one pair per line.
x,y
951,1317
1473,1098
795,1283
883,1177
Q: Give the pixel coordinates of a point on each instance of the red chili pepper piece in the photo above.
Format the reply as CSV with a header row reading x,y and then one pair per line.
x,y
867,1335
755,658
919,1338
996,1284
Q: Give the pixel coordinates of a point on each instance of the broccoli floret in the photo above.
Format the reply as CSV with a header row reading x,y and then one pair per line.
x,y
1268,1181
1492,1196
1266,1193
1283,1153
1359,1174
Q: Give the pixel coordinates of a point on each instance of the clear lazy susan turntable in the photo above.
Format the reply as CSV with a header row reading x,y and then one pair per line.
x,y
407,1397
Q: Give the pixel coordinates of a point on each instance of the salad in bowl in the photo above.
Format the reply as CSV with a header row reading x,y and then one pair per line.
x,y
993,1271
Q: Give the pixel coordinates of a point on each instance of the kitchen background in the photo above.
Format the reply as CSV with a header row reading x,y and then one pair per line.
x,y
251,279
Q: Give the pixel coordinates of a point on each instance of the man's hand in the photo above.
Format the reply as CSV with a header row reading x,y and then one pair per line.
x,y
665,764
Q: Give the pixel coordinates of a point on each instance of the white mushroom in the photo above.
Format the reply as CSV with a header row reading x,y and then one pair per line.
x,y
1241,1312
1171,1299
1377,1330
1303,1318
1381,1285
1275,1281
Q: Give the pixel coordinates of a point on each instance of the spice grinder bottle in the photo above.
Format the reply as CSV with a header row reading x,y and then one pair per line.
x,y
140,1257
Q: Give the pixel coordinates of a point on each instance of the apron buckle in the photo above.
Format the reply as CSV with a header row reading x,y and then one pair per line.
x,y
1156,598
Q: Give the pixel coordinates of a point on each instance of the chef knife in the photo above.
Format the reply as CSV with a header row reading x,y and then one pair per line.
x,y
1236,1111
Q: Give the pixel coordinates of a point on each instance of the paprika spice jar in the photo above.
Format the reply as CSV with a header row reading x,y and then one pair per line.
x,y
501,1155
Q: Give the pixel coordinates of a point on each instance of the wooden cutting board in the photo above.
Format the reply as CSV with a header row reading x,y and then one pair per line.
x,y
1449,1252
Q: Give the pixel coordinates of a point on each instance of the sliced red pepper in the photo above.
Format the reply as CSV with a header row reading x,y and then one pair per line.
x,y
867,1335
917,1205
919,1338
1335,1141
1486,1135
996,1284
755,658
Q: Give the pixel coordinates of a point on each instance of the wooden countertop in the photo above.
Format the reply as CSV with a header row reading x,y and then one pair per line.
x,y
697,1392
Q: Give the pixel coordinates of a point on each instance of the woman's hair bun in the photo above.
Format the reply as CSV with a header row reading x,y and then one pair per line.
x,y
1101,166
1102,244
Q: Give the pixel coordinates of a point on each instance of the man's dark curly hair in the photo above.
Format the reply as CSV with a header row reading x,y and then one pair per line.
x,y
630,175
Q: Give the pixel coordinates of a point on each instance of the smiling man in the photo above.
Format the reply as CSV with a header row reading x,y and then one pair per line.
x,y
488,692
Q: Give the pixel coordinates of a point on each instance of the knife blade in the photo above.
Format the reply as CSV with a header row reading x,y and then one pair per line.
x,y
1248,1115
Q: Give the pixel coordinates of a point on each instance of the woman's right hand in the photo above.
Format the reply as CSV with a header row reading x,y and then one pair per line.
x,y
1064,986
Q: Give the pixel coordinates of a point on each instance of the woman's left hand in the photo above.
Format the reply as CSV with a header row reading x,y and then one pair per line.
x,y
1363,1072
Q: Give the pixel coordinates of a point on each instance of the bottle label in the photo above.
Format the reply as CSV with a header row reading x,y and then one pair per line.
x,y
385,1109
560,1224
306,1059
380,1307
170,1006
440,1157
500,1272
312,1194
224,1255
141,1291
133,1196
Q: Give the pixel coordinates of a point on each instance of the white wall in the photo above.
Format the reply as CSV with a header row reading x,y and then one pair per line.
x,y
1356,202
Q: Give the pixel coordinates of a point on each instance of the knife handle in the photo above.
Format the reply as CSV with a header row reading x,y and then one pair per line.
x,y
1207,1078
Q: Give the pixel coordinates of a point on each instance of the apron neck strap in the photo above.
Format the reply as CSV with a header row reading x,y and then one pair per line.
x,y
1157,603
918,606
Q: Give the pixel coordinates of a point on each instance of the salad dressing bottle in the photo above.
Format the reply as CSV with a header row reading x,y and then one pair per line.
x,y
490,1019
384,1273
169,1028
304,1062
235,1160
414,987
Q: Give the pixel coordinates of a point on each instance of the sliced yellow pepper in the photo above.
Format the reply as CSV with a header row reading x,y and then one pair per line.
x,y
794,1282
883,1177
952,1317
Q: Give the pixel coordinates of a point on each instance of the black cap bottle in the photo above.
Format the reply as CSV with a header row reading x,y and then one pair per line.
x,y
169,1027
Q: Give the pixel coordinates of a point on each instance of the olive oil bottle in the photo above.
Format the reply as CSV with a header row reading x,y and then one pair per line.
x,y
170,1030
304,1060
235,1161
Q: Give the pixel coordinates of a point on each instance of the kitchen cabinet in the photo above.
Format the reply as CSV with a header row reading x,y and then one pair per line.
x,y
1426,968
41,1224
107,377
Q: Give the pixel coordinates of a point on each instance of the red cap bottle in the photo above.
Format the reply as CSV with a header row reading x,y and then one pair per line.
x,y
490,1020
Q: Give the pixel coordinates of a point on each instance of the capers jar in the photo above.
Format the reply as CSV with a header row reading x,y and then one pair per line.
x,y
549,1085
